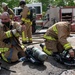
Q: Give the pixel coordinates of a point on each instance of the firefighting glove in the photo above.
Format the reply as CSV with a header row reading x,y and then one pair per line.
x,y
18,29
14,31
71,52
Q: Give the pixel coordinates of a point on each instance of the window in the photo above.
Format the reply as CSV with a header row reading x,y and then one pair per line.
x,y
38,9
18,11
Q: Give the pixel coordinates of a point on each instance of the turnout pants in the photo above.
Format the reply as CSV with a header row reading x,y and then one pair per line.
x,y
53,46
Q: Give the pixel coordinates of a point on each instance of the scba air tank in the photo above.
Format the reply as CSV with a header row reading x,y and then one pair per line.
x,y
37,53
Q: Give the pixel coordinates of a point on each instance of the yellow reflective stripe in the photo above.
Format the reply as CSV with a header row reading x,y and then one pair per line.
x,y
30,23
49,52
55,29
49,37
29,13
30,39
23,19
8,34
17,34
4,49
22,46
23,37
11,16
26,20
4,57
24,40
67,46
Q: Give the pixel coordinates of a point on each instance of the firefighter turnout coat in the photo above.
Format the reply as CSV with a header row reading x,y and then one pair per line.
x,y
9,44
11,13
56,38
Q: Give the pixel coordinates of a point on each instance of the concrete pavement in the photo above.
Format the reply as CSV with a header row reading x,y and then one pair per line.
x,y
50,67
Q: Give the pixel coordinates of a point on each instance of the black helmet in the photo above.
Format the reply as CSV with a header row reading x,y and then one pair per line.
x,y
22,3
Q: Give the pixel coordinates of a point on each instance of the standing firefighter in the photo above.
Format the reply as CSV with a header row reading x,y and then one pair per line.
x,y
10,31
56,38
25,20
7,9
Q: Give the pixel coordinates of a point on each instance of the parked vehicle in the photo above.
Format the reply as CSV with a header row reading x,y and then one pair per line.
x,y
38,11
55,14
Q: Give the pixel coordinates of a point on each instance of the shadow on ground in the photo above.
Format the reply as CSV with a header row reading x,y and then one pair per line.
x,y
58,64
5,68
34,66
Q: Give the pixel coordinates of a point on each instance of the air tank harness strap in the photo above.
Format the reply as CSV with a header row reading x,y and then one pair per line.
x,y
11,51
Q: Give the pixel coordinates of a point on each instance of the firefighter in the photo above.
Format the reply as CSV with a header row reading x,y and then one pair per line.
x,y
25,20
10,31
7,9
56,38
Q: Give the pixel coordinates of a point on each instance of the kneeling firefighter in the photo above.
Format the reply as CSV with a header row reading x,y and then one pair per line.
x,y
56,38
9,39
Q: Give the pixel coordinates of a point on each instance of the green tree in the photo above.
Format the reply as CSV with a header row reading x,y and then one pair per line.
x,y
70,2
11,3
64,3
58,3
45,4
